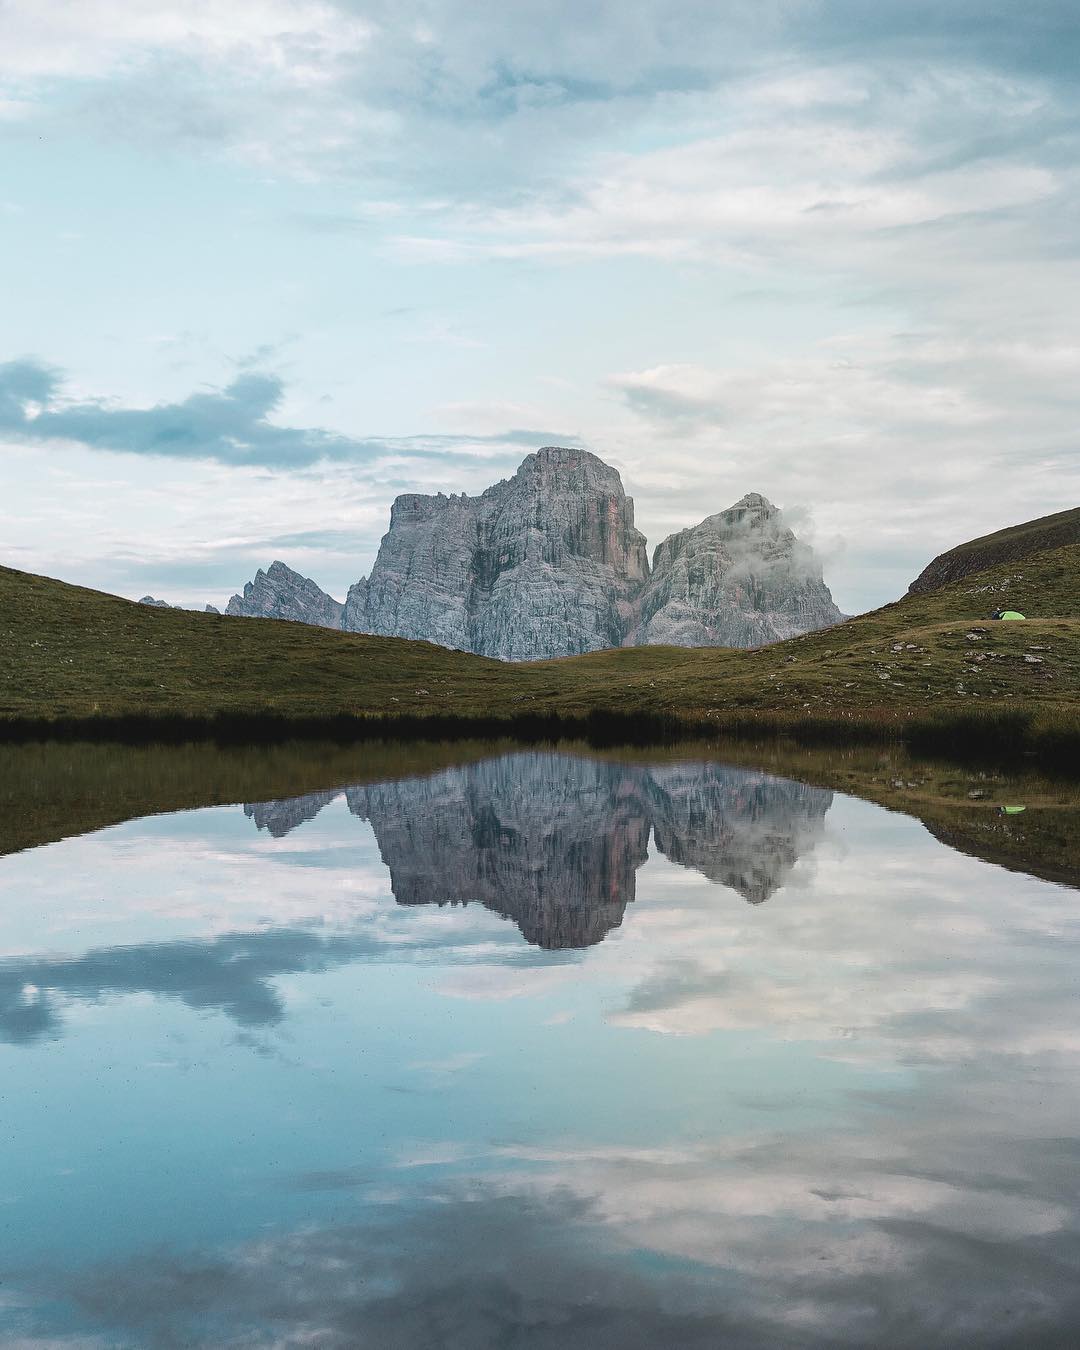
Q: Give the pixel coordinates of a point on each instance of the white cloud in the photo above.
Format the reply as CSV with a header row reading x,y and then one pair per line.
x,y
791,172
295,39
897,441
907,201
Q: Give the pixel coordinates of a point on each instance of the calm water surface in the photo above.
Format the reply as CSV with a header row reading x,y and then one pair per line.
x,y
547,1050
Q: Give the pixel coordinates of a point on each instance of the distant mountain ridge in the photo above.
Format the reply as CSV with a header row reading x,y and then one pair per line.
x,y
281,593
548,563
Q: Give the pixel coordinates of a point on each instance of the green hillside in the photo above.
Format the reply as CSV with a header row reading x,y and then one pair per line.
x,y
1011,545
79,656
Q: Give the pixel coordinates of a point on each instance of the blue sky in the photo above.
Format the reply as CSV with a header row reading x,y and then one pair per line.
x,y
269,264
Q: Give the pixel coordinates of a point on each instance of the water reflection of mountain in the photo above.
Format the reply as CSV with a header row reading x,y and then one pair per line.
x,y
741,829
554,841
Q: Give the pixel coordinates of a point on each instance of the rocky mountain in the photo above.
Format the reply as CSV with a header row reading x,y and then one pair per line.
x,y
281,593
548,563
541,838
543,564
739,579
281,817
164,604
741,829
553,841
1004,546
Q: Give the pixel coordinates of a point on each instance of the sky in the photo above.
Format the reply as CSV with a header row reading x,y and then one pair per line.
x,y
268,264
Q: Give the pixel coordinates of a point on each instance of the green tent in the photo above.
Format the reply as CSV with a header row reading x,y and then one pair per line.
x,y
1010,614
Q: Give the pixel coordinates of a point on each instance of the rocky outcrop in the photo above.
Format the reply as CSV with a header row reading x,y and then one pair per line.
x,y
546,563
281,817
741,829
739,579
1006,546
281,593
554,841
164,604
541,838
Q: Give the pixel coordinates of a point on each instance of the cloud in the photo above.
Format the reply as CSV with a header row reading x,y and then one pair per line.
x,y
482,1272
693,1255
445,99
233,974
807,246
230,425
294,39
902,442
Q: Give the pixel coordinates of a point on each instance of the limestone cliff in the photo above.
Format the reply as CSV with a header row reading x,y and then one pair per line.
x,y
554,841
281,593
739,579
548,563
543,564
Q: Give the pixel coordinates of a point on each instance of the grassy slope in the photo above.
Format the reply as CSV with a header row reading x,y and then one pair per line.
x,y
66,652
1011,545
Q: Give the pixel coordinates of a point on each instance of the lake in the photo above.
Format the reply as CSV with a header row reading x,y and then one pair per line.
x,y
536,1047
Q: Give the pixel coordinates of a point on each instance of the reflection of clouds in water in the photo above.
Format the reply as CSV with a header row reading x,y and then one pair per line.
x,y
481,1273
486,1267
948,959
548,839
936,1206
201,871
936,1222
884,956
232,974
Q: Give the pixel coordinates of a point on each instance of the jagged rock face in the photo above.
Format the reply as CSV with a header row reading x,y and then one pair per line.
x,y
543,564
741,829
164,604
739,579
539,838
281,817
281,593
553,841
548,563
420,584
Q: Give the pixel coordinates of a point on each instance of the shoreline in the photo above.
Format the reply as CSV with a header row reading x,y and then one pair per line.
x,y
1050,733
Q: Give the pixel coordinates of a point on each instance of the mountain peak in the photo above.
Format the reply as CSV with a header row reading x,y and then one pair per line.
x,y
754,501
548,563
571,465
281,593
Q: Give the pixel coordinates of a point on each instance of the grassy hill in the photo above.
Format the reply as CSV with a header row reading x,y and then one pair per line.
x,y
76,660
1012,545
